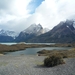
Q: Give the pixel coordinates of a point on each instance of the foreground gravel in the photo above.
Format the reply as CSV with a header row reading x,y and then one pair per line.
x,y
31,65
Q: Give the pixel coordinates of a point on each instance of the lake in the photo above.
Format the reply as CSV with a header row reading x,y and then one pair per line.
x,y
33,51
27,43
8,43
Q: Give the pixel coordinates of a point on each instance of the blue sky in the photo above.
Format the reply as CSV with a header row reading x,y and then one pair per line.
x,y
19,14
34,4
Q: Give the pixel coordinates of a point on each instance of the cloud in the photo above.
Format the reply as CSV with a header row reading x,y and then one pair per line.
x,y
34,4
51,12
19,14
4,4
12,11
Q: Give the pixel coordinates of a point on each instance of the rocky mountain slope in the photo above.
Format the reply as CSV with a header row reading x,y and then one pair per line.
x,y
32,31
64,32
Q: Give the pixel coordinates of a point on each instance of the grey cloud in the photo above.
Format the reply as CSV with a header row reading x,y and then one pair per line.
x,y
4,4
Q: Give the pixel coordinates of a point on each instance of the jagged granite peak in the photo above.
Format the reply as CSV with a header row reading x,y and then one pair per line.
x,y
33,29
31,32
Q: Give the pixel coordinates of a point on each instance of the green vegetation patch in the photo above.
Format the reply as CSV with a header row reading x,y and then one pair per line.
x,y
53,61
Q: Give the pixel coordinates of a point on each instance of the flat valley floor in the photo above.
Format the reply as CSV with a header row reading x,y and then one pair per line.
x,y
32,65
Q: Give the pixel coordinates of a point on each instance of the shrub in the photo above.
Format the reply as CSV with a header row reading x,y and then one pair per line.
x,y
53,61
65,56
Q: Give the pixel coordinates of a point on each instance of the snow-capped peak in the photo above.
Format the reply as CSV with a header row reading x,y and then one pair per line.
x,y
8,33
70,22
33,29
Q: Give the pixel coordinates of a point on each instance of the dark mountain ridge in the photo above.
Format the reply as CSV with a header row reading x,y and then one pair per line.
x,y
64,32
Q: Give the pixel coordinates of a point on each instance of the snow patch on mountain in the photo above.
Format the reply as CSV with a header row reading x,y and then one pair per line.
x,y
33,29
74,24
67,26
71,22
8,33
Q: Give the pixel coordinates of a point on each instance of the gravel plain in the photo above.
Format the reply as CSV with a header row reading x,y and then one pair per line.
x,y
32,65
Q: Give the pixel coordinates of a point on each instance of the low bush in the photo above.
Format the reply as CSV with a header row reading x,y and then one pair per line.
x,y
53,61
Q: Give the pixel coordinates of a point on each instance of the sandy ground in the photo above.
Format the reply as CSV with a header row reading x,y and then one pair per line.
x,y
31,65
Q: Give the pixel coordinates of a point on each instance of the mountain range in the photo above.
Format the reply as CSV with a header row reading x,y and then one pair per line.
x,y
64,32
31,32
7,36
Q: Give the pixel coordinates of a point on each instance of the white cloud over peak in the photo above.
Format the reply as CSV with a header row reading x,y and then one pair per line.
x,y
16,15
51,12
